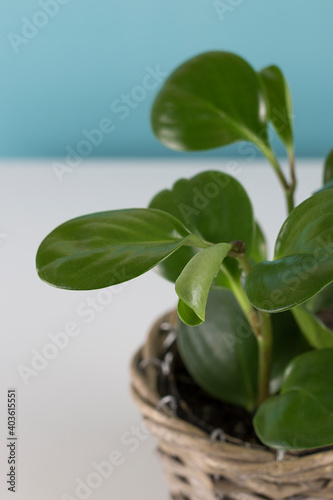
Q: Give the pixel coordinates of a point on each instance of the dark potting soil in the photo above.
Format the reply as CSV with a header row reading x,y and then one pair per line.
x,y
202,410
214,414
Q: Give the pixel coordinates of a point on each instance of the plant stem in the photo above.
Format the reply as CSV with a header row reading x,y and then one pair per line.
x,y
292,188
261,326
264,147
265,344
291,157
244,263
241,298
269,154
290,201
277,168
288,189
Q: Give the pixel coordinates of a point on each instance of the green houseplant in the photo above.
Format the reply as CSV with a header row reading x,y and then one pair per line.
x,y
202,235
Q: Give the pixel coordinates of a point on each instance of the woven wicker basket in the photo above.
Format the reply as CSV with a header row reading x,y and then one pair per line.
x,y
199,468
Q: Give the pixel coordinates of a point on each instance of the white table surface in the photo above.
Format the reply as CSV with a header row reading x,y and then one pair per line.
x,y
75,411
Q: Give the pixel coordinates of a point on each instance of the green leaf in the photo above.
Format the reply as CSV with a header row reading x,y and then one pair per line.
x,y
304,258
301,417
211,100
221,353
328,168
187,314
107,248
215,207
288,342
278,103
195,281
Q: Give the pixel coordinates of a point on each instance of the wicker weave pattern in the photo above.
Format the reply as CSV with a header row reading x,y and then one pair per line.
x,y
199,469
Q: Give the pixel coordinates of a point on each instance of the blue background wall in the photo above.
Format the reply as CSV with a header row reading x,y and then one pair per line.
x,y
61,78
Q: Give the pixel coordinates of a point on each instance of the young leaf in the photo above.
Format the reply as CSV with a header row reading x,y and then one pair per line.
x,y
214,206
187,314
194,282
107,248
221,354
328,168
302,415
304,258
278,103
210,101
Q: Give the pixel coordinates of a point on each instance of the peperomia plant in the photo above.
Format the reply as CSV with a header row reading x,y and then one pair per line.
x,y
253,332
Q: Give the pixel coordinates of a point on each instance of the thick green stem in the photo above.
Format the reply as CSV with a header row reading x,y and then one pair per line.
x,y
265,344
290,201
261,326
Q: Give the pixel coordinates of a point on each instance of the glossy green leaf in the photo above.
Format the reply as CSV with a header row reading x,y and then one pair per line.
x,y
301,417
187,315
328,168
107,248
195,281
304,258
278,103
211,100
221,353
288,342
214,206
